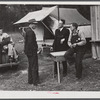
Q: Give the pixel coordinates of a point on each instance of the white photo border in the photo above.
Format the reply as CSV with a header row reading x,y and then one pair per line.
x,y
50,94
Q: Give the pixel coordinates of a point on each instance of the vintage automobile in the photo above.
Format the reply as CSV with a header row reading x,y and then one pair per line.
x,y
4,59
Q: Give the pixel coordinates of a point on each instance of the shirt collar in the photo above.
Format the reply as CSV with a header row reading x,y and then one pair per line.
x,y
61,29
75,31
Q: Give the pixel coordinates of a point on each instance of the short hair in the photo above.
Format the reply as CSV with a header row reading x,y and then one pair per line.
x,y
75,25
1,29
63,21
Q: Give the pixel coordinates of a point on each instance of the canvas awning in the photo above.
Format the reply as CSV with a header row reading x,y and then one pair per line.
x,y
37,15
70,15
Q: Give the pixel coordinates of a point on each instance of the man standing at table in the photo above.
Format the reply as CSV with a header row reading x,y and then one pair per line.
x,y
76,43
0,52
31,48
60,44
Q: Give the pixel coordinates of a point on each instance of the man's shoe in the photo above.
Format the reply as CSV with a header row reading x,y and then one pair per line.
x,y
78,77
35,84
65,74
55,75
30,82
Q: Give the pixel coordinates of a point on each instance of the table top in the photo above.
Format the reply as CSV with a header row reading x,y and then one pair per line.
x,y
56,54
95,40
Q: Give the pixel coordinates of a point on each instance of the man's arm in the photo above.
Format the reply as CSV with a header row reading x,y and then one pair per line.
x,y
69,40
83,40
55,38
23,32
66,35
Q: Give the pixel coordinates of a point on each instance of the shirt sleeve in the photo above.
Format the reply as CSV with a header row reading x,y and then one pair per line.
x,y
5,35
55,39
69,39
66,34
83,40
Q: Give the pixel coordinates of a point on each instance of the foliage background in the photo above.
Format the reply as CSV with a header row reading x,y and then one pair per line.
x,y
12,13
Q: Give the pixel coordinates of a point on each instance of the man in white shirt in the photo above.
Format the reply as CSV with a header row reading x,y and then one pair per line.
x,y
60,44
76,42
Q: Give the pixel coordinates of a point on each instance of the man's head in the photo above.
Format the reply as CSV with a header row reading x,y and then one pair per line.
x,y
61,23
74,26
1,31
33,25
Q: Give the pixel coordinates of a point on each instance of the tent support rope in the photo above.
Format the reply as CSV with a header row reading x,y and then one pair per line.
x,y
47,28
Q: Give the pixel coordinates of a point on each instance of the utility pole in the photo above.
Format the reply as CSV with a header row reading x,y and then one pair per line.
x,y
95,27
58,13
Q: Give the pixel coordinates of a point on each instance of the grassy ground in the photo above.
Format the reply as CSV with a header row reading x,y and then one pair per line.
x,y
16,78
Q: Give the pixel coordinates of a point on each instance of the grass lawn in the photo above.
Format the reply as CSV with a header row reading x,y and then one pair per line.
x,y
16,78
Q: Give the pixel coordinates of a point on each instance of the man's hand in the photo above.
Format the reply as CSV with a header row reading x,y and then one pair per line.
x,y
62,40
51,48
74,45
71,46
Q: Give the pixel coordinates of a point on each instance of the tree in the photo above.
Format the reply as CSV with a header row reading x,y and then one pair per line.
x,y
12,13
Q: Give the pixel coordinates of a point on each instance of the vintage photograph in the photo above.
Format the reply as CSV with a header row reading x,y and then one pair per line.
x,y
49,47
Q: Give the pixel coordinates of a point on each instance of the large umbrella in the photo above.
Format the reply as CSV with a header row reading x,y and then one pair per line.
x,y
37,15
70,15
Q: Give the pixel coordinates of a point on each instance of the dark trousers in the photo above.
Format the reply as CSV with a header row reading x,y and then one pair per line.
x,y
78,60
64,67
0,54
33,76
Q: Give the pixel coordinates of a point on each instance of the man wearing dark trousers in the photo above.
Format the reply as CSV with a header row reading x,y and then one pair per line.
x,y
31,48
1,47
0,54
76,43
60,44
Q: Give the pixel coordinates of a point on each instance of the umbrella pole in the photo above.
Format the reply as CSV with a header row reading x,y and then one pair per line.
x,y
58,13
47,28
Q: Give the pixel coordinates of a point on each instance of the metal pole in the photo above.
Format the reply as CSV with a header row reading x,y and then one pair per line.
x,y
58,13
47,28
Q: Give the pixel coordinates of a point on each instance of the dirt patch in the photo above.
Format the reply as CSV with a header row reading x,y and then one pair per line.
x,y
17,79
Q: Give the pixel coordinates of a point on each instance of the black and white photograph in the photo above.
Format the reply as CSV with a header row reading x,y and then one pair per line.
x,y
50,47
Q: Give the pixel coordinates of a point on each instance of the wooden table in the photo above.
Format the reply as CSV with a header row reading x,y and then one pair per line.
x,y
58,57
